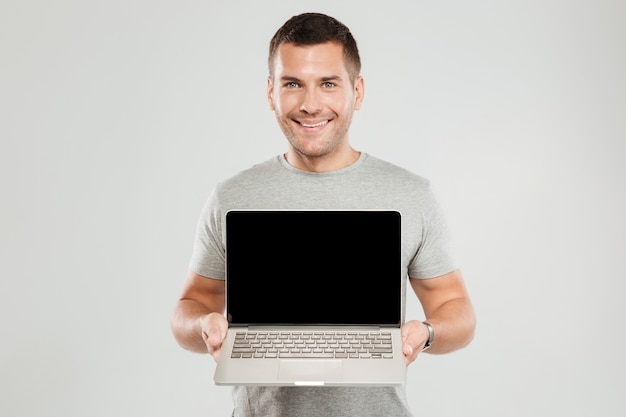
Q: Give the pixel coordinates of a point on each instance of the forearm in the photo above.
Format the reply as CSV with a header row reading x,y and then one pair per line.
x,y
447,307
454,323
200,312
186,323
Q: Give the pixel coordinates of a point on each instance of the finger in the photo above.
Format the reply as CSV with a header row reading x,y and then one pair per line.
x,y
411,341
410,353
411,334
213,336
213,343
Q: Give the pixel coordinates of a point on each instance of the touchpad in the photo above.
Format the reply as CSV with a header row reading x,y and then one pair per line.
x,y
298,370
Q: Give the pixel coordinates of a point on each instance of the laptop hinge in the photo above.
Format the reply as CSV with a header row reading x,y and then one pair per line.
x,y
313,328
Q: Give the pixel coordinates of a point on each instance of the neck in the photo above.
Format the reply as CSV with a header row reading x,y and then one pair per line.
x,y
323,163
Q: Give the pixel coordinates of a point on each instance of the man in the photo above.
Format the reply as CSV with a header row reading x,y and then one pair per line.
x,y
314,87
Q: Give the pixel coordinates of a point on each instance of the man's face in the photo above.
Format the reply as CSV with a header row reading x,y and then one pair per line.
x,y
313,98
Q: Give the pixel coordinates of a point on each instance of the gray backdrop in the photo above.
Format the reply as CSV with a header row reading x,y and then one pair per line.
x,y
118,117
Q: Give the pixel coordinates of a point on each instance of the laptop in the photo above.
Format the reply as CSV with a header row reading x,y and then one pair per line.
x,y
313,298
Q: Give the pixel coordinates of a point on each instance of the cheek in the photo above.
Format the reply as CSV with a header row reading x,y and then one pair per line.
x,y
286,103
347,104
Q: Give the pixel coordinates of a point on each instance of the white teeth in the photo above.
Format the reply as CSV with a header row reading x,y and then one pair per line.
x,y
315,125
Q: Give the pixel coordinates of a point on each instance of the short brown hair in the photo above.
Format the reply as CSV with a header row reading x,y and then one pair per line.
x,y
314,29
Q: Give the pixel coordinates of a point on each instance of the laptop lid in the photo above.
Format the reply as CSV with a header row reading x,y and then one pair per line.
x,y
313,267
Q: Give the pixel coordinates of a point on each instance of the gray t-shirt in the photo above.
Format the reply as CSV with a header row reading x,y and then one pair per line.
x,y
369,183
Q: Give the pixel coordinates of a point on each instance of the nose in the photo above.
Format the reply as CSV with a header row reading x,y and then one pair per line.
x,y
311,103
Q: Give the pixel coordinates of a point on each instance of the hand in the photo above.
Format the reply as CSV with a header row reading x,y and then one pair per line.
x,y
214,329
414,337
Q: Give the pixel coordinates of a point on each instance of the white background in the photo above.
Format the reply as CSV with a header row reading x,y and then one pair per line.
x,y
118,117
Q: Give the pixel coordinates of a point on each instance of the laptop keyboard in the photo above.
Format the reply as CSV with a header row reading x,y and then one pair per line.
x,y
337,345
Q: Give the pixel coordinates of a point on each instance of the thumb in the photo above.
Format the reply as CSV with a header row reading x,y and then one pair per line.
x,y
410,340
213,332
213,335
407,349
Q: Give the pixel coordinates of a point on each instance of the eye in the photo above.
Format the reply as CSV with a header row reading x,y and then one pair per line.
x,y
328,84
292,84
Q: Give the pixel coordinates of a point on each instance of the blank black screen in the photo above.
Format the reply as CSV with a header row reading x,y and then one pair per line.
x,y
313,267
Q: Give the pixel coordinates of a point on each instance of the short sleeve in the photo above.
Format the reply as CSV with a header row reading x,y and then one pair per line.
x,y
435,255
208,256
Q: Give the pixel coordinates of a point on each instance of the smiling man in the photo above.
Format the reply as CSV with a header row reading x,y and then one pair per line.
x,y
314,87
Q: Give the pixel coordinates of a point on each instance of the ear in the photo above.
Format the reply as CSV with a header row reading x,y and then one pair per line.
x,y
359,92
270,91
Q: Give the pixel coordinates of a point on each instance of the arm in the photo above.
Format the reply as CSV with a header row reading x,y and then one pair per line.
x,y
198,321
448,309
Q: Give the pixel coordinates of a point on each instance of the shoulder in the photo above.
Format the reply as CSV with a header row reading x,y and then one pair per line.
x,y
393,174
253,174
255,187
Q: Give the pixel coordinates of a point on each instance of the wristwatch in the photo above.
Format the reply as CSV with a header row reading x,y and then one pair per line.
x,y
431,336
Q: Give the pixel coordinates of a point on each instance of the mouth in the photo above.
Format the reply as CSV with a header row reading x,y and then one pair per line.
x,y
312,125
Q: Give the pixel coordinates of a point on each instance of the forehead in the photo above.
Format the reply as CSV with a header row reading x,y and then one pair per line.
x,y
300,60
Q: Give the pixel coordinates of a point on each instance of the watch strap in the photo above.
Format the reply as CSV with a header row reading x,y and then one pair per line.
x,y
431,335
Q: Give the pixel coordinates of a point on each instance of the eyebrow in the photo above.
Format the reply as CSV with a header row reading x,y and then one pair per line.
x,y
288,78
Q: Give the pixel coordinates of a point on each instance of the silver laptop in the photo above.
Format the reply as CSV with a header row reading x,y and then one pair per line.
x,y
313,297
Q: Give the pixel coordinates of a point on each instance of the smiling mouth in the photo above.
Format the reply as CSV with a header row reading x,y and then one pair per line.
x,y
312,125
